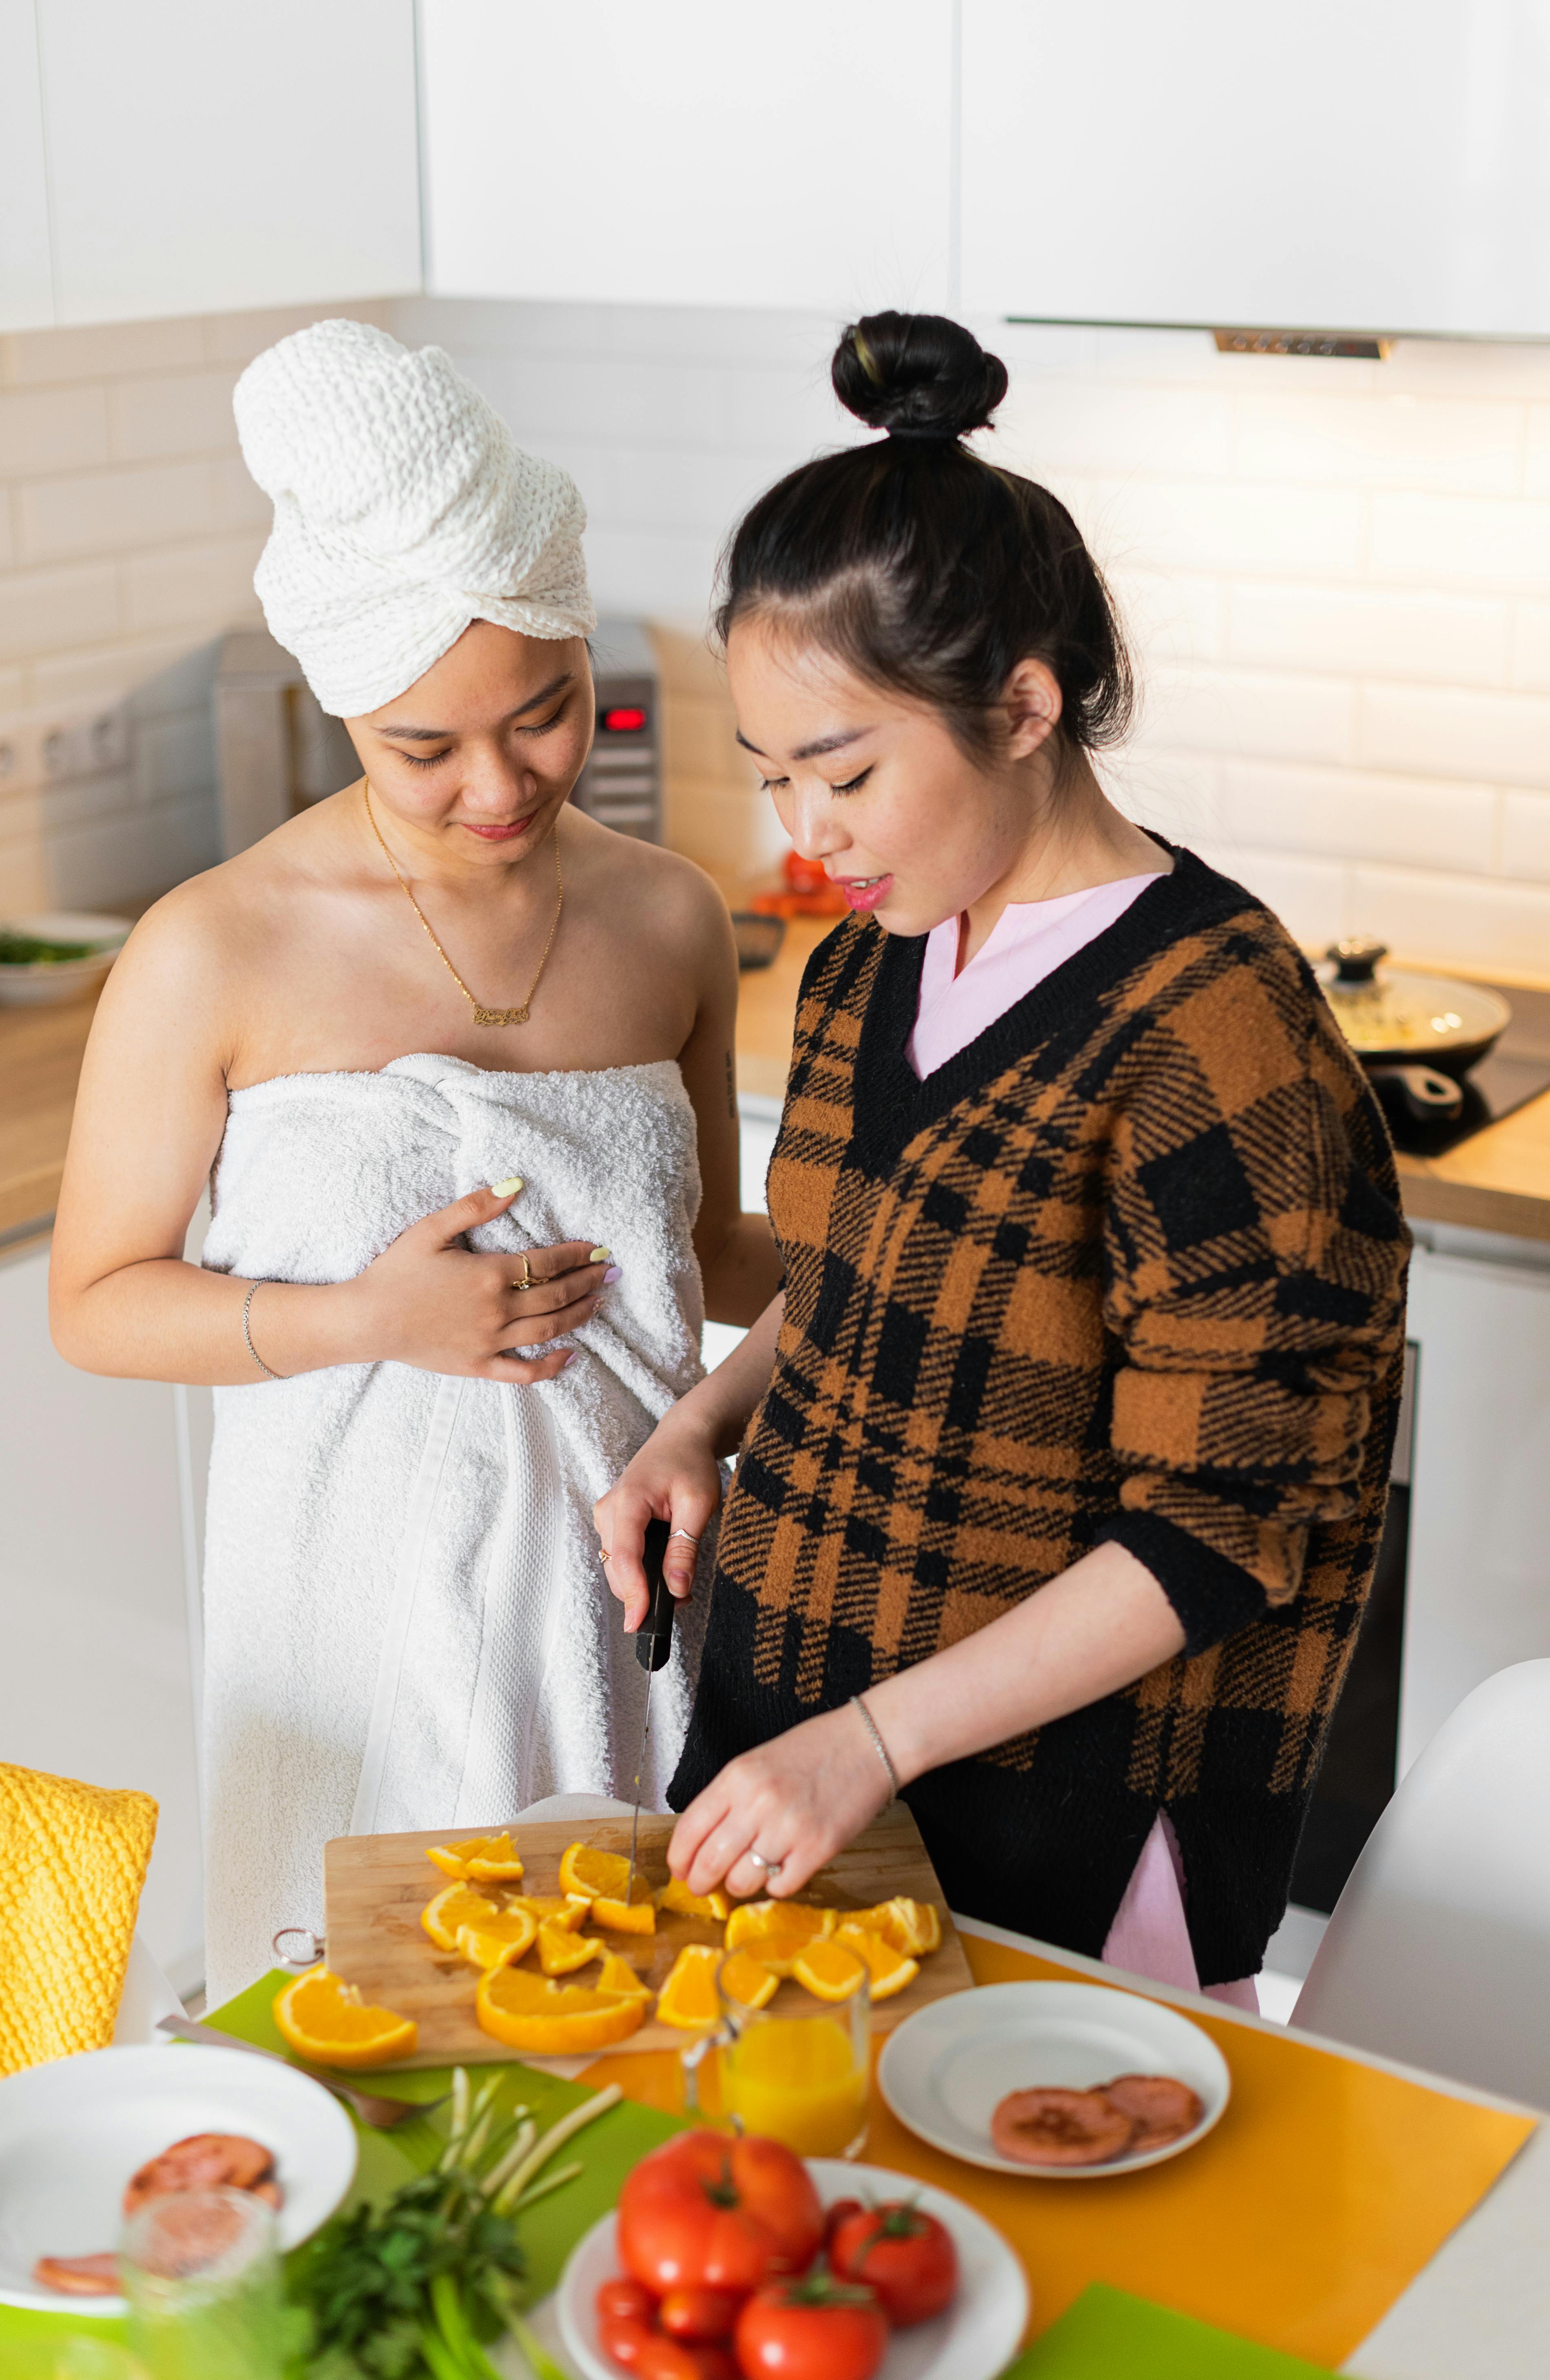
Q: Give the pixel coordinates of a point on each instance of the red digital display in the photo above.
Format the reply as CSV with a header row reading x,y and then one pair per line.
x,y
625,720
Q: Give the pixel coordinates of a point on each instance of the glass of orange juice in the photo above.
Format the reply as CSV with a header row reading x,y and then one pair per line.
x,y
797,2071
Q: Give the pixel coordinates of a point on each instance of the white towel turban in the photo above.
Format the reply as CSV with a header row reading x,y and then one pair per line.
x,y
402,509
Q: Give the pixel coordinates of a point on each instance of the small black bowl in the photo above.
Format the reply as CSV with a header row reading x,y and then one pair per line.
x,y
758,938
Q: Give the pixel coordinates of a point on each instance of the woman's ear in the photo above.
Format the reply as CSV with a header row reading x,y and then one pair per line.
x,y
1031,699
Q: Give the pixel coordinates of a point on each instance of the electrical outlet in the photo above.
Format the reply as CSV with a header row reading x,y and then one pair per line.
x,y
93,747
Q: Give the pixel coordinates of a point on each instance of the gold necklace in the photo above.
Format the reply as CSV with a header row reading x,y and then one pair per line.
x,y
481,1015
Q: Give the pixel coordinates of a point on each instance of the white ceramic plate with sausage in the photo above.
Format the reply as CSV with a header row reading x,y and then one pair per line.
x,y
946,2068
73,2131
974,2339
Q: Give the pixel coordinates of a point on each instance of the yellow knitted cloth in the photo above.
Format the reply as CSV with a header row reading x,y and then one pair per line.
x,y
72,1862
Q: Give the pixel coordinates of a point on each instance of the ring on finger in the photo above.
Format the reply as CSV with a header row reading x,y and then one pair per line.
x,y
527,1281
686,1533
765,1866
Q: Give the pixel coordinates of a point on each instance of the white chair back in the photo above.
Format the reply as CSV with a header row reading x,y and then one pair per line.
x,y
1438,1952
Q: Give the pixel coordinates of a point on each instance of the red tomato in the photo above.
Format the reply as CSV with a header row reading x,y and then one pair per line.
x,y
707,2211
625,2338
623,2296
906,2256
700,2316
716,2362
813,2329
834,2216
667,2359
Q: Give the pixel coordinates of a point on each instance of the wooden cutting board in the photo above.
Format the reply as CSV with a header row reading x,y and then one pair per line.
x,y
375,1886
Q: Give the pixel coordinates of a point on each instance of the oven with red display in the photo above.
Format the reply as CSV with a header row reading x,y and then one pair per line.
x,y
620,785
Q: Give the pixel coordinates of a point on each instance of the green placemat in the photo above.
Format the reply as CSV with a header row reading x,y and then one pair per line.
x,y
30,2343
1108,2334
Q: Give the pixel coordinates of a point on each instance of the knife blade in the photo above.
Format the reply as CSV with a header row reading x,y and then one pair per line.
x,y
653,1643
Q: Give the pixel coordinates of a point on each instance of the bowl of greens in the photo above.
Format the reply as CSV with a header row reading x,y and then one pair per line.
x,y
56,955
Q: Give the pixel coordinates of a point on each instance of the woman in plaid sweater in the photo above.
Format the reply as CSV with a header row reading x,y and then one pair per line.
x,y
1064,1452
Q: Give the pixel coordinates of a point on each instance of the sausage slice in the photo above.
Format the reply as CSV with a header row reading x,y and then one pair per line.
x,y
1063,2128
1163,2110
79,2276
204,2161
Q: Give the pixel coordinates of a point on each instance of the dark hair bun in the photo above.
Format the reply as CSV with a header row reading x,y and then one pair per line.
x,y
918,374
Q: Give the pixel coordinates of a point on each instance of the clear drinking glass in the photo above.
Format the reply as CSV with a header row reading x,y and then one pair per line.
x,y
201,2271
797,2071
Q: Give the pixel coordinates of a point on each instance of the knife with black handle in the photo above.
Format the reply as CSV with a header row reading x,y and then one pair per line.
x,y
653,1643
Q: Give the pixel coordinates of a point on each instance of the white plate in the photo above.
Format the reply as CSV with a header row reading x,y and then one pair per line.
x,y
46,981
72,2133
945,2069
973,2340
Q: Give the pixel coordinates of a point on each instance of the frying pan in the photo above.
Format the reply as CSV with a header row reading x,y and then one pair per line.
x,y
1417,1034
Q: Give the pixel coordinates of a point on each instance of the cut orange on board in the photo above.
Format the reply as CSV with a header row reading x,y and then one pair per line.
x,y
677,1899
604,1878
913,1927
748,1979
488,1859
616,1975
561,1952
774,1932
547,2019
496,1941
324,2019
688,1999
566,1909
636,1915
459,1906
889,1968
830,1969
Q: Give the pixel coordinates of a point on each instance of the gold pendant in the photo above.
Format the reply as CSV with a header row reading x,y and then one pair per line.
x,y
500,1015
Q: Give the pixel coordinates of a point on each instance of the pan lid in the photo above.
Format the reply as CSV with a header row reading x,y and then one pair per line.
x,y
1391,1009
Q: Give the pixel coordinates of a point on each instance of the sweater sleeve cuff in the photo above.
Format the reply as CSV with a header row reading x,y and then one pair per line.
x,y
1214,1597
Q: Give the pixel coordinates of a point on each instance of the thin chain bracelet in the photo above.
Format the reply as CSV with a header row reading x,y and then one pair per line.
x,y
254,1352
873,1731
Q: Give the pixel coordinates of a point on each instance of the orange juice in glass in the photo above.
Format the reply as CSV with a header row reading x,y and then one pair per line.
x,y
797,2071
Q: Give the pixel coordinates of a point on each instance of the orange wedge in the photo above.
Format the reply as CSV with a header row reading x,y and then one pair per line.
x,y
688,1999
488,1859
496,1941
616,1975
748,1980
604,1878
889,1968
912,1927
561,1952
553,2020
774,1932
324,2019
459,1906
636,1916
829,1968
677,1899
566,1909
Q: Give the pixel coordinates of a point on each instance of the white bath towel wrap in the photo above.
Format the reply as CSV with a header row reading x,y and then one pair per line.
x,y
406,1623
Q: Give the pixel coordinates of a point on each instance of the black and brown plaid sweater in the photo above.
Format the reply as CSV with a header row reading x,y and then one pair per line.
x,y
1132,1265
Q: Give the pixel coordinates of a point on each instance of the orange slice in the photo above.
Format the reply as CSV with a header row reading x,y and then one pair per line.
x,y
912,1927
561,1952
324,2019
616,1975
830,1969
459,1906
496,1941
566,1909
774,1932
677,1900
636,1916
553,2020
488,1859
889,1968
748,1979
604,1878
689,1998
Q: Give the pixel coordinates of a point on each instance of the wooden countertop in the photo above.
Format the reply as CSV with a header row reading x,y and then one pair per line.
x,y
1499,1180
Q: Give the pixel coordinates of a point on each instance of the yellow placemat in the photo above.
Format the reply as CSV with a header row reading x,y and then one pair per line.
x,y
1297,2222
72,1861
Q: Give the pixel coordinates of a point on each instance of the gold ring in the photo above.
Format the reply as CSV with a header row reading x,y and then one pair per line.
x,y
527,1281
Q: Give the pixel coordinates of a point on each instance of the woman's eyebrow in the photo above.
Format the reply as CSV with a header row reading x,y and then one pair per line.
x,y
435,735
834,743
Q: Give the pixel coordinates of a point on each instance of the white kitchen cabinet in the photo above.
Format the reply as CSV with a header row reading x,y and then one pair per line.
x,y
206,155
26,284
1357,165
692,153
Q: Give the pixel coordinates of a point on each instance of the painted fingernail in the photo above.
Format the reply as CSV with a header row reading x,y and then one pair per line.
x,y
599,1255
507,1189
614,1272
569,1358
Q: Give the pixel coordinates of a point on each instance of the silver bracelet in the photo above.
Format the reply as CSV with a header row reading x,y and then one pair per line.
x,y
249,1336
882,1748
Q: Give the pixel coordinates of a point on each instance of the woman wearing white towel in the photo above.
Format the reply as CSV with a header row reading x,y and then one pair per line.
x,y
457,1062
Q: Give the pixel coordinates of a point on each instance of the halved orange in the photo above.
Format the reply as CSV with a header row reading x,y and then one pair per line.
x,y
488,1859
676,1899
561,1952
324,2019
616,1975
566,1909
912,1927
496,1941
889,1968
830,1969
553,2020
774,1932
688,1999
748,1979
458,1905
